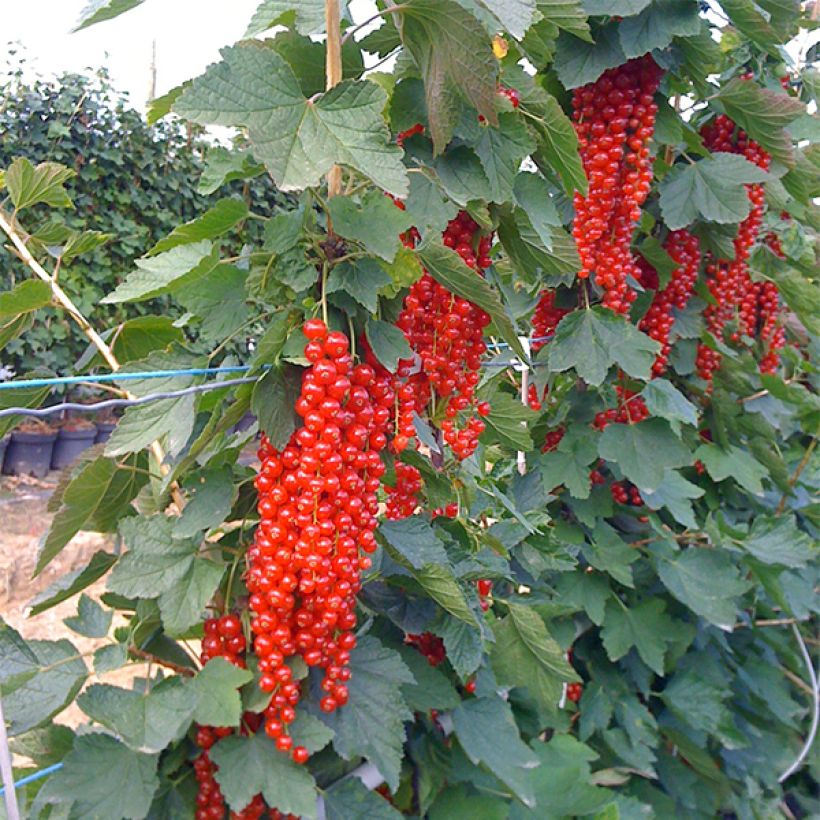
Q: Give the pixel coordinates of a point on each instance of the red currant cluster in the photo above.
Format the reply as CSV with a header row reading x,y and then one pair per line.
x,y
317,505
729,281
630,410
761,315
402,499
223,639
625,493
553,439
446,334
544,321
614,119
684,248
574,690
484,586
430,645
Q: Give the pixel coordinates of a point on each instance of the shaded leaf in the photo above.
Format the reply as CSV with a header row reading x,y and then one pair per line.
x,y
217,220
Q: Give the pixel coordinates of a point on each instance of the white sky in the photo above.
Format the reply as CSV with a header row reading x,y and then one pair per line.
x,y
189,34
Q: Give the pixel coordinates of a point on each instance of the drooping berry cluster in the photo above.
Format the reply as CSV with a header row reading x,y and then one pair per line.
x,y
623,492
317,505
614,119
430,645
545,319
684,248
728,280
402,498
224,638
446,334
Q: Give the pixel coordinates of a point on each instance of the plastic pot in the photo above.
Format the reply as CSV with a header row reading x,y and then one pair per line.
x,y
3,444
69,445
29,454
104,431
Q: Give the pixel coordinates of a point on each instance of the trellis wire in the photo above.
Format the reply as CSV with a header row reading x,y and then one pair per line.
x,y
55,381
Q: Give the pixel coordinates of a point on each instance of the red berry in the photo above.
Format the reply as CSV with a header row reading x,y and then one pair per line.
x,y
314,329
300,755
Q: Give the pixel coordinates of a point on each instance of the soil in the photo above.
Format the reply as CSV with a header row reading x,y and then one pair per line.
x,y
23,503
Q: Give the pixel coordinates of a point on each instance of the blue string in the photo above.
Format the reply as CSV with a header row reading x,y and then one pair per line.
x,y
33,777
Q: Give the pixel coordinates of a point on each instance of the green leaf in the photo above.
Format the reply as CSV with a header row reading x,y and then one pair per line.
x,y
462,176
216,689
415,540
306,16
156,275
18,663
801,295
645,626
763,114
218,299
665,400
712,188
26,297
732,462
656,25
752,24
248,766
487,732
442,586
362,279
45,746
507,422
563,783
31,700
100,488
154,562
654,253
453,52
532,194
22,397
274,396
389,344
630,445
619,8
98,11
525,654
134,774
558,144
309,731
593,340
210,499
779,541
135,339
91,619
608,553
428,207
462,642
675,493
580,63
553,264
28,185
223,166
566,14
67,586
376,222
589,591
182,605
696,700
218,220
160,107
146,721
350,799
515,16
501,151
299,140
706,581
448,268
432,689
371,724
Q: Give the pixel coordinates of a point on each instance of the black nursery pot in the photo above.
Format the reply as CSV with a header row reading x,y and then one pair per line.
x,y
3,444
29,454
69,445
104,431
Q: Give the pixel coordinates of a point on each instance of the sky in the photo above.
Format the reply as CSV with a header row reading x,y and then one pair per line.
x,y
188,33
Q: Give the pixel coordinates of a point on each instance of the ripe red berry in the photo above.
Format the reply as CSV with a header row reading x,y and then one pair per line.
x,y
300,755
314,329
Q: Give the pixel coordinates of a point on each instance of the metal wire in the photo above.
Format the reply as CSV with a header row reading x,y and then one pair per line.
x,y
109,404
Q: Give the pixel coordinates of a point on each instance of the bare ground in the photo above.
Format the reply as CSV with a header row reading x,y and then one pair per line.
x,y
23,521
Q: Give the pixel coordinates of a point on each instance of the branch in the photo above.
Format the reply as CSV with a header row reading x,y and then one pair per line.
x,y
793,480
333,70
76,314
175,667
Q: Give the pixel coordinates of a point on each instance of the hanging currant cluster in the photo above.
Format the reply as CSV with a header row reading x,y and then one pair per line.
x,y
614,119
317,505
